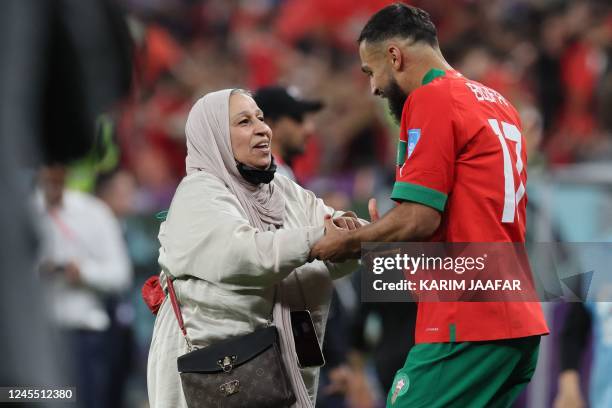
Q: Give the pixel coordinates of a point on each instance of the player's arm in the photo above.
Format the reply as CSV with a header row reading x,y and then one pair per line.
x,y
409,221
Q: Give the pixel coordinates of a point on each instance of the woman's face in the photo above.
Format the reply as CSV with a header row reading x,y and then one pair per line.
x,y
250,137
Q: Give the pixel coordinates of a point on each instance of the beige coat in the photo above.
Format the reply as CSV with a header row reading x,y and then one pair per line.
x,y
225,273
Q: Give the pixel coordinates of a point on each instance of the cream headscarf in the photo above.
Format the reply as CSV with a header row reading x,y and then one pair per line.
x,y
209,149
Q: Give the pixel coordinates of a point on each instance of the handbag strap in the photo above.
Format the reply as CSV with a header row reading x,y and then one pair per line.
x,y
177,311
179,317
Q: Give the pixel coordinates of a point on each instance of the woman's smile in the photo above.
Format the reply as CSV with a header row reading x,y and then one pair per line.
x,y
263,147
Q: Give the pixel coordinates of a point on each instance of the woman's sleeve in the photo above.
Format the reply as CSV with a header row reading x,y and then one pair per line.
x,y
207,235
316,210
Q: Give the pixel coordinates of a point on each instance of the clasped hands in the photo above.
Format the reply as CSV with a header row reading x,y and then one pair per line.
x,y
340,241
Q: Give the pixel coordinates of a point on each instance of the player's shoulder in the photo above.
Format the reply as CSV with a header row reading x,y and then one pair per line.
x,y
476,93
465,95
441,90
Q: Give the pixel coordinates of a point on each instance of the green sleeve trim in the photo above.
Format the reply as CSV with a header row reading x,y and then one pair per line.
x,y
452,328
403,191
401,152
431,75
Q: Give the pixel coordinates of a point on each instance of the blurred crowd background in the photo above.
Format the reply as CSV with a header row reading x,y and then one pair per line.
x,y
551,58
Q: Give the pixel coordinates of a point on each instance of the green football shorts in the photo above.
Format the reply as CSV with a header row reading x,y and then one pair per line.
x,y
466,374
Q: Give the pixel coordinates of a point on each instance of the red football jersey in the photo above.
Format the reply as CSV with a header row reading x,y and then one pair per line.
x,y
461,152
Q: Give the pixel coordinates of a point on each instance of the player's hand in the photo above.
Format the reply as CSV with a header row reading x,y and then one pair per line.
x,y
334,244
373,210
349,214
348,221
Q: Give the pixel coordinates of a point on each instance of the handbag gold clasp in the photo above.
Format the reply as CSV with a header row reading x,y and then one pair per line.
x,y
227,363
230,387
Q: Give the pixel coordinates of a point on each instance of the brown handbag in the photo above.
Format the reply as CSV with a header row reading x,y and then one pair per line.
x,y
242,371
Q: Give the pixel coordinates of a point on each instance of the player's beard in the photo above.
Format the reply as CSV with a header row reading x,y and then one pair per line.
x,y
396,98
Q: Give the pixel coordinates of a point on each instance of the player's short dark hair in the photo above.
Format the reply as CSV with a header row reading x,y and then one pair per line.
x,y
400,20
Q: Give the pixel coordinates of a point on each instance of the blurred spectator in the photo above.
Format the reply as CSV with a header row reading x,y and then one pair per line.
x,y
576,329
83,259
117,190
396,337
582,321
585,324
63,63
291,124
583,63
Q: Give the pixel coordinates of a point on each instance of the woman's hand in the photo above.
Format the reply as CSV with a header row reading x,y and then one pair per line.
x,y
348,221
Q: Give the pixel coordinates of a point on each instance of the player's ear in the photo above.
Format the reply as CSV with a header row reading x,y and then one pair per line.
x,y
394,55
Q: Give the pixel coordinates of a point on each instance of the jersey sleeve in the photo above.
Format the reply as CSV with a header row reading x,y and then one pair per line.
x,y
426,149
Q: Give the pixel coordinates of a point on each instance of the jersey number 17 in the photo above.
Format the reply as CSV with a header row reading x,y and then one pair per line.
x,y
512,197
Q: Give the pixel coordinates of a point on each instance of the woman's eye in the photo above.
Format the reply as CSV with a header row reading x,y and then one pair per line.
x,y
261,118
243,122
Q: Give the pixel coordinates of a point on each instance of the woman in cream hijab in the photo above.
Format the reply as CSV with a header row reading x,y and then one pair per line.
x,y
233,233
